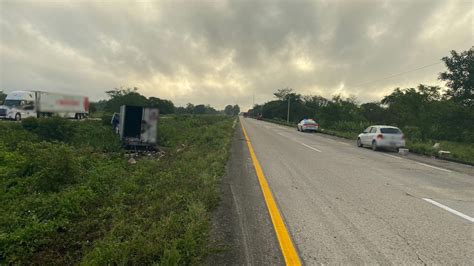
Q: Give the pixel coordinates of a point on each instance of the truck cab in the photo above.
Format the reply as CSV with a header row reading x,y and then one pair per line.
x,y
18,105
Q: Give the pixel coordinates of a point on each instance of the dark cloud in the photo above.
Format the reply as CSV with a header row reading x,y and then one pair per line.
x,y
222,52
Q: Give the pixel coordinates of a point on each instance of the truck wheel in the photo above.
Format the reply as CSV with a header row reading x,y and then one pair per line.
x,y
18,117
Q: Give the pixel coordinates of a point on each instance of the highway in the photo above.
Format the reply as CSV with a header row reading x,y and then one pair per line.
x,y
347,205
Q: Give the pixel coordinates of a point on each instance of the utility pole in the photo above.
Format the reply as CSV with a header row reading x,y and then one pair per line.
x,y
288,114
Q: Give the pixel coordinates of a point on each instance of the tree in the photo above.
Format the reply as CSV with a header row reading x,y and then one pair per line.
x,y
165,106
229,110
414,107
199,109
119,97
189,108
2,97
282,94
236,110
373,112
460,76
341,110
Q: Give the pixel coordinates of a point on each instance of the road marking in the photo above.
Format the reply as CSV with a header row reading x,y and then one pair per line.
x,y
310,147
344,143
393,156
469,218
286,244
434,167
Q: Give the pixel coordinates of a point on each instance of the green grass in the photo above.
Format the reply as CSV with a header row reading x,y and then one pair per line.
x,y
72,198
462,152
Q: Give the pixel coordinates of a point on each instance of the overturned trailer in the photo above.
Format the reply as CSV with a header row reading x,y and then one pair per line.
x,y
138,127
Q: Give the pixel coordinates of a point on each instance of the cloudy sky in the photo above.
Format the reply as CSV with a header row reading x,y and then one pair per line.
x,y
227,52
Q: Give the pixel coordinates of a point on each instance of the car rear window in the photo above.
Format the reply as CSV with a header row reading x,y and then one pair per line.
x,y
309,121
389,130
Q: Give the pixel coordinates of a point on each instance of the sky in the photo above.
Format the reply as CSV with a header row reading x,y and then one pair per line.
x,y
229,52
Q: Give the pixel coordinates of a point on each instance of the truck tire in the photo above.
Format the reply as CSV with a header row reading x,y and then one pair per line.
x,y
18,117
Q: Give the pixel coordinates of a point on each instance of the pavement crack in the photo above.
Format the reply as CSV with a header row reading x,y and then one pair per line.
x,y
409,245
393,229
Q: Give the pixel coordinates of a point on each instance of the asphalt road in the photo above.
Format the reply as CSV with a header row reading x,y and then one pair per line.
x,y
343,204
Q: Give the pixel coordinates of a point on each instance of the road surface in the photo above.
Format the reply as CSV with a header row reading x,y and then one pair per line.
x,y
342,204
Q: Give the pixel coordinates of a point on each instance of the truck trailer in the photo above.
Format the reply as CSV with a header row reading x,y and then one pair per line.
x,y
24,104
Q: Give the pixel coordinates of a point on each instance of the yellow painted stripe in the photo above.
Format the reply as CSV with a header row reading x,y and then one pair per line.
x,y
287,248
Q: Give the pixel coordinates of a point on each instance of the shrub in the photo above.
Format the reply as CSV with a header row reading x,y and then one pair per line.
x,y
49,129
412,133
51,166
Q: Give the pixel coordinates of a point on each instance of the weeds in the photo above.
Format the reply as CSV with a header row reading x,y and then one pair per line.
x,y
73,199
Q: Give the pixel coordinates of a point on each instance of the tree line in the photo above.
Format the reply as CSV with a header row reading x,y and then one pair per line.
x,y
424,112
130,96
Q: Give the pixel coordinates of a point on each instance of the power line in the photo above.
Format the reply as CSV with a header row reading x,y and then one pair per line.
x,y
396,75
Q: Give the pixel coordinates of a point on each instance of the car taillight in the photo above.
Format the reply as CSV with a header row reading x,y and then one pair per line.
x,y
379,136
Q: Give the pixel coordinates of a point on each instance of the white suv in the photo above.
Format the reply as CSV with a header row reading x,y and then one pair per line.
x,y
381,137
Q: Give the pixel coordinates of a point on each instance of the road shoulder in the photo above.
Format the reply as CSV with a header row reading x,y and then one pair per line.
x,y
242,230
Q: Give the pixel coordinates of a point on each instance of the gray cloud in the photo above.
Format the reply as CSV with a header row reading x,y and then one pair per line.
x,y
223,52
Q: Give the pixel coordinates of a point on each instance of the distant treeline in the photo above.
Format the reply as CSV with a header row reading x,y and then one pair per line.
x,y
118,97
424,112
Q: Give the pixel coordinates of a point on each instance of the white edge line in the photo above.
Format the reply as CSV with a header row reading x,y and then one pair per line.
x,y
469,218
310,147
393,156
344,143
434,167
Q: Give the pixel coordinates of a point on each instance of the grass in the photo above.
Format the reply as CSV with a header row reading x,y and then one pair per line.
x,y
460,152
70,197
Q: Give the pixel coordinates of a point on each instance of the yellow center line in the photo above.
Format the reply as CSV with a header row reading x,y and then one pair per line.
x,y
286,244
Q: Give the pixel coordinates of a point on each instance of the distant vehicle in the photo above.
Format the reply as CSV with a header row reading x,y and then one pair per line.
x,y
24,104
245,114
307,125
259,117
379,137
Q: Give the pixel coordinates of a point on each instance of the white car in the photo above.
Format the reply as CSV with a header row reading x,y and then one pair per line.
x,y
381,137
307,125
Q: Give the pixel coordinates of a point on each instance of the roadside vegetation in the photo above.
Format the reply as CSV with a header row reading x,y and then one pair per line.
x,y
426,114
69,196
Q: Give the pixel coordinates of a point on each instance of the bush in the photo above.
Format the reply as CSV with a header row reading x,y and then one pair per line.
x,y
350,126
51,166
412,133
49,129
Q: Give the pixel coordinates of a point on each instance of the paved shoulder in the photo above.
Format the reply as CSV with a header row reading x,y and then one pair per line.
x,y
242,229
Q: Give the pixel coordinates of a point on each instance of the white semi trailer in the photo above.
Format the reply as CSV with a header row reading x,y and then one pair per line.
x,y
23,104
